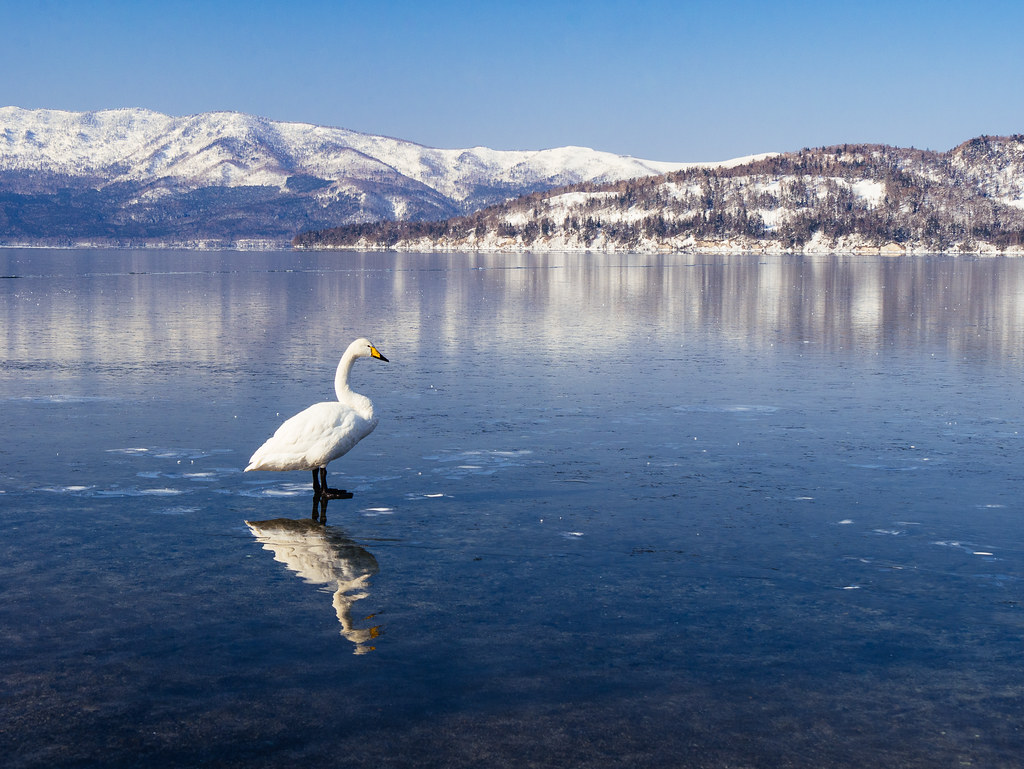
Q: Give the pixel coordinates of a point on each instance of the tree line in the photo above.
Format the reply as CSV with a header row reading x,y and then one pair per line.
x,y
932,200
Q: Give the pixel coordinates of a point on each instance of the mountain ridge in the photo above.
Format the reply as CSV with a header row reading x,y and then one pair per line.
x,y
135,176
843,198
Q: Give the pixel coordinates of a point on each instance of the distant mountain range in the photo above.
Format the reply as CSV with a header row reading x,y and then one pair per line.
x,y
849,198
132,177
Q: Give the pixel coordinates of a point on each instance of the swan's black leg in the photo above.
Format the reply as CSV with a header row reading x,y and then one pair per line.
x,y
320,486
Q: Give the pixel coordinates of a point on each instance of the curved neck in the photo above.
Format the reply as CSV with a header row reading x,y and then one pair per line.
x,y
341,377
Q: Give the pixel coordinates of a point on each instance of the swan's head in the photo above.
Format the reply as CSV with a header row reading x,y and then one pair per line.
x,y
363,348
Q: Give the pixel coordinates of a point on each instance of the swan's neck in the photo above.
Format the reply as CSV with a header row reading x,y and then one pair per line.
x,y
345,394
341,377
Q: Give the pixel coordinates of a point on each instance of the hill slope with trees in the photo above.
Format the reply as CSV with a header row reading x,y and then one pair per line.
x,y
845,198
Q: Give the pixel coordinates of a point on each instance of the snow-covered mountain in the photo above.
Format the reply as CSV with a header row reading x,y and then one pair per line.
x,y
849,198
133,176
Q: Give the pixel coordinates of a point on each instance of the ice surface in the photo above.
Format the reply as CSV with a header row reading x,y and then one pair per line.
x,y
564,576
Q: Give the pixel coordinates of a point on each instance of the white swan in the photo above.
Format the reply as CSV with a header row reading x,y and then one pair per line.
x,y
324,431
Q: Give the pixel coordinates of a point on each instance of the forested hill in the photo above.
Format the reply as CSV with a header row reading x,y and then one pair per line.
x,y
847,198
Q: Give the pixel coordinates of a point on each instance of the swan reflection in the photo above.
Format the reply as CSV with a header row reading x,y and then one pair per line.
x,y
323,555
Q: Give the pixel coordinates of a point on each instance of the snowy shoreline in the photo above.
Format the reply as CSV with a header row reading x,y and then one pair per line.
x,y
763,249
983,250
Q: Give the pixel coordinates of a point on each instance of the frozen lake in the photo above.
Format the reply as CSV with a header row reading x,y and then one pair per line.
x,y
620,511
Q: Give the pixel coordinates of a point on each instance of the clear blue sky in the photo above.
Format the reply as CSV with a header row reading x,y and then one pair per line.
x,y
679,81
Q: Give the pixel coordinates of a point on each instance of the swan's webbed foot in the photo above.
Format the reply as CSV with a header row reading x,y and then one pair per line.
x,y
336,493
320,487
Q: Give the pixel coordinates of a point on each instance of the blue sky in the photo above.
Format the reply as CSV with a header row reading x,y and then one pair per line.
x,y
678,81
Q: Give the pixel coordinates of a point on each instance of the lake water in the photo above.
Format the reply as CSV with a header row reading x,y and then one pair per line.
x,y
620,511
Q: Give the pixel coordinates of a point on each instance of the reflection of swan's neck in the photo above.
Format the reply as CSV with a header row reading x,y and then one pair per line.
x,y
343,608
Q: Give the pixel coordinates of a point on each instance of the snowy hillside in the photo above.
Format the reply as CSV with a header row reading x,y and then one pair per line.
x,y
834,199
133,176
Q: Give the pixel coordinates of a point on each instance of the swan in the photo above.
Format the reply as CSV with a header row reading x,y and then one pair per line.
x,y
324,431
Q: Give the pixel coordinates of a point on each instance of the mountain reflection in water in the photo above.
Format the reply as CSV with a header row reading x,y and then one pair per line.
x,y
585,302
323,555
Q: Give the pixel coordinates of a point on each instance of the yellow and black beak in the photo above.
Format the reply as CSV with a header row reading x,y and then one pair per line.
x,y
375,353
